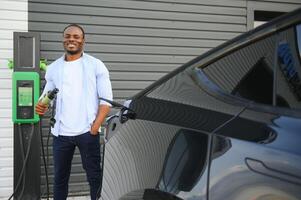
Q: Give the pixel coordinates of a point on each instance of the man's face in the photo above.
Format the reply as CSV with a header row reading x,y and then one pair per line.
x,y
73,40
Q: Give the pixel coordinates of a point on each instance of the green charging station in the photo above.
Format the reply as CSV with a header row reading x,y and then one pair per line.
x,y
26,91
25,95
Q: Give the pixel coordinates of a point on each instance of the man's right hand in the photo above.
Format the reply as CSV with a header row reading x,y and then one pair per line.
x,y
41,108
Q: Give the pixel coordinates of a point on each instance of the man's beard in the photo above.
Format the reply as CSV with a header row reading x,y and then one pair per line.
x,y
74,52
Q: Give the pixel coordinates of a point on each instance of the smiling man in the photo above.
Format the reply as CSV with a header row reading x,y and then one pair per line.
x,y
81,80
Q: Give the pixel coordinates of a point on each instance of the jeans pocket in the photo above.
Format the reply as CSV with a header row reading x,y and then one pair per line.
x,y
94,136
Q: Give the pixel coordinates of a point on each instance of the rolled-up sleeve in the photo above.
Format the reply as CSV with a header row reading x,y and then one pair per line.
x,y
104,87
49,83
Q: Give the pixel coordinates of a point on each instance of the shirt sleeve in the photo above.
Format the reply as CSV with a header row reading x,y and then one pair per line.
x,y
104,87
49,84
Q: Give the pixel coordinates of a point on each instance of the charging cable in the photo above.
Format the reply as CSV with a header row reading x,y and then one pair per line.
x,y
51,95
22,175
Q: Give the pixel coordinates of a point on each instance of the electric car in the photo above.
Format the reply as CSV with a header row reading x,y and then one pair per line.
x,y
226,125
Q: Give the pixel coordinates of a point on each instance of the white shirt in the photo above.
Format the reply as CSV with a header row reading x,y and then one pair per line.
x,y
73,119
96,83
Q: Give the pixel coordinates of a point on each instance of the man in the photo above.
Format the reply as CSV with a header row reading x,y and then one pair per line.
x,y
81,80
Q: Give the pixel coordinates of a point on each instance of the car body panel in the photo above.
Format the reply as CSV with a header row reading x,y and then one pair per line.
x,y
195,135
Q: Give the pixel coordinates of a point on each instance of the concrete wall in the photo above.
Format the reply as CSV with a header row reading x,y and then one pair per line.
x,y
13,17
139,41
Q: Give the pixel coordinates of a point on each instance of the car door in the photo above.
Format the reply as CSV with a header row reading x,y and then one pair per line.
x,y
268,168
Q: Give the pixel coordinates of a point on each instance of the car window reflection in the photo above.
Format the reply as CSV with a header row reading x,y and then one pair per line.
x,y
298,31
185,161
288,74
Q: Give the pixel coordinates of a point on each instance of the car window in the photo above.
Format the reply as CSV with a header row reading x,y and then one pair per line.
x,y
257,84
247,72
266,71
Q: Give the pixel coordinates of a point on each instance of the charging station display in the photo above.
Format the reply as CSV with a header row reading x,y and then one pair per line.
x,y
25,96
25,101
26,90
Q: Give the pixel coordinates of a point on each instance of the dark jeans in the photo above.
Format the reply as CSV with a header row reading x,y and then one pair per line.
x,y
63,150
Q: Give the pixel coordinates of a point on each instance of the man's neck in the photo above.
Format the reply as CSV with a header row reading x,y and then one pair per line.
x,y
69,57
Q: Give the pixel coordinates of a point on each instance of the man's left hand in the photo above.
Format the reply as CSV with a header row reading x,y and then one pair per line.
x,y
94,129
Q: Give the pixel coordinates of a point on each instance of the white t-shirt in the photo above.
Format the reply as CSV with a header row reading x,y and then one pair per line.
x,y
73,114
96,84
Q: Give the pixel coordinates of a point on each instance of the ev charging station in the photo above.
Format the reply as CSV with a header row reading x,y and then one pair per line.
x,y
25,94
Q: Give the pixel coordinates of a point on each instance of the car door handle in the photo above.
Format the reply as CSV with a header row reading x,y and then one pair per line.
x,y
261,168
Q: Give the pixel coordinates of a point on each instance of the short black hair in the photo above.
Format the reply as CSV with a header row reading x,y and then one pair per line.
x,y
75,25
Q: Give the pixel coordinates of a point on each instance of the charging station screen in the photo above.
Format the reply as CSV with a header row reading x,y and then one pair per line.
x,y
25,96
